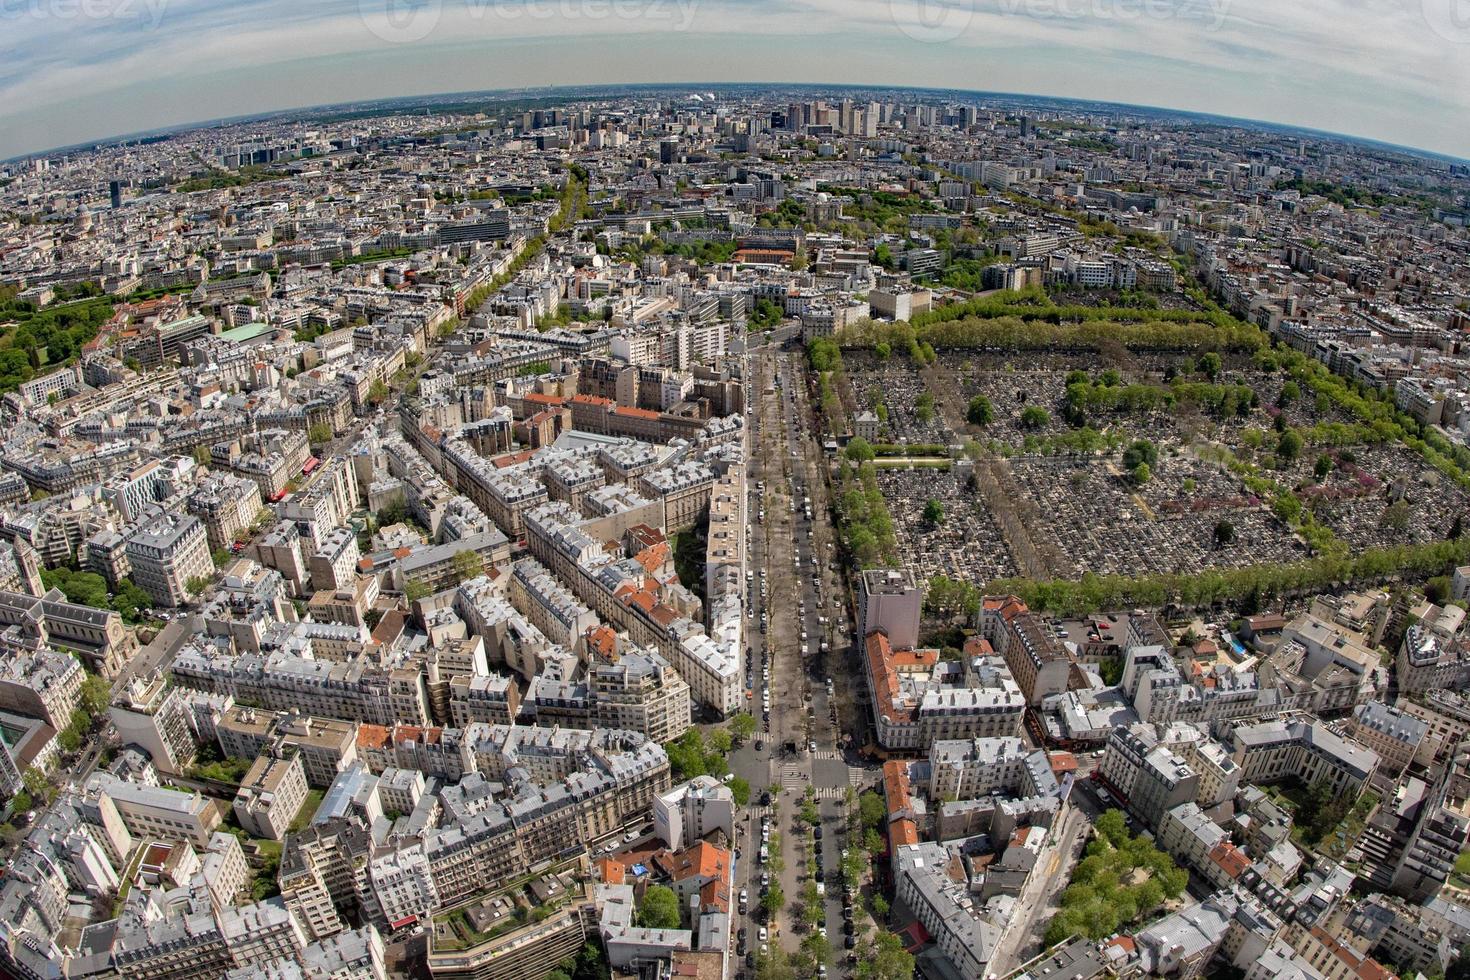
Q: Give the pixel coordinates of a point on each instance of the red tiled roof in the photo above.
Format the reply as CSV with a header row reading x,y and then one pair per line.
x,y
896,785
611,871
371,736
636,413
1229,858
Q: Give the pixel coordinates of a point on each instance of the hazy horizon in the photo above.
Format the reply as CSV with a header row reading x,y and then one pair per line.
x,y
1373,69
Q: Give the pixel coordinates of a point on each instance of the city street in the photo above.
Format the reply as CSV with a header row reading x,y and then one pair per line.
x,y
802,739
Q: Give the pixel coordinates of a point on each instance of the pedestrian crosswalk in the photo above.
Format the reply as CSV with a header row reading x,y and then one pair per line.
x,y
792,776
832,754
830,792
858,776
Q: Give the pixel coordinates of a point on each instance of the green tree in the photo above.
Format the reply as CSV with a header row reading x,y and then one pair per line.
x,y
885,959
130,601
774,899
467,565
36,784
1323,467
1034,417
1289,446
319,434
1141,451
1459,968
980,412
859,450
872,811
1112,827
687,755
878,905
817,946
96,695
742,726
720,741
1140,474
933,513
1209,365
774,964
1224,534
659,908
740,790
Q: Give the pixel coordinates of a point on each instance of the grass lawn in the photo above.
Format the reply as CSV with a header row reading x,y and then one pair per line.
x,y
308,810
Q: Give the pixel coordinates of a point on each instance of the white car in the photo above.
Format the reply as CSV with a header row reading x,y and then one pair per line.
x,y
765,934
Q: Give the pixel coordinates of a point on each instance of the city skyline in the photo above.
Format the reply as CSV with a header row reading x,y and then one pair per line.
x,y
146,65
734,531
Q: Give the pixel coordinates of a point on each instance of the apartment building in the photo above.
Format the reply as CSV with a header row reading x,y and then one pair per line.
x,y
1036,658
166,554
227,505
150,811
890,600
967,769
945,907
641,692
1399,738
1308,750
42,684
152,715
271,794
691,811
1148,778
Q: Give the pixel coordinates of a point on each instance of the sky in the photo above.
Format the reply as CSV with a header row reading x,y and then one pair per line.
x,y
72,71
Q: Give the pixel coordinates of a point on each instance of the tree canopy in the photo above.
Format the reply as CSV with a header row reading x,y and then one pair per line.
x,y
659,908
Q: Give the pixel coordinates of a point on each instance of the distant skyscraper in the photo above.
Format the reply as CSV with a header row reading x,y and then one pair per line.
x,y
1025,126
114,189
